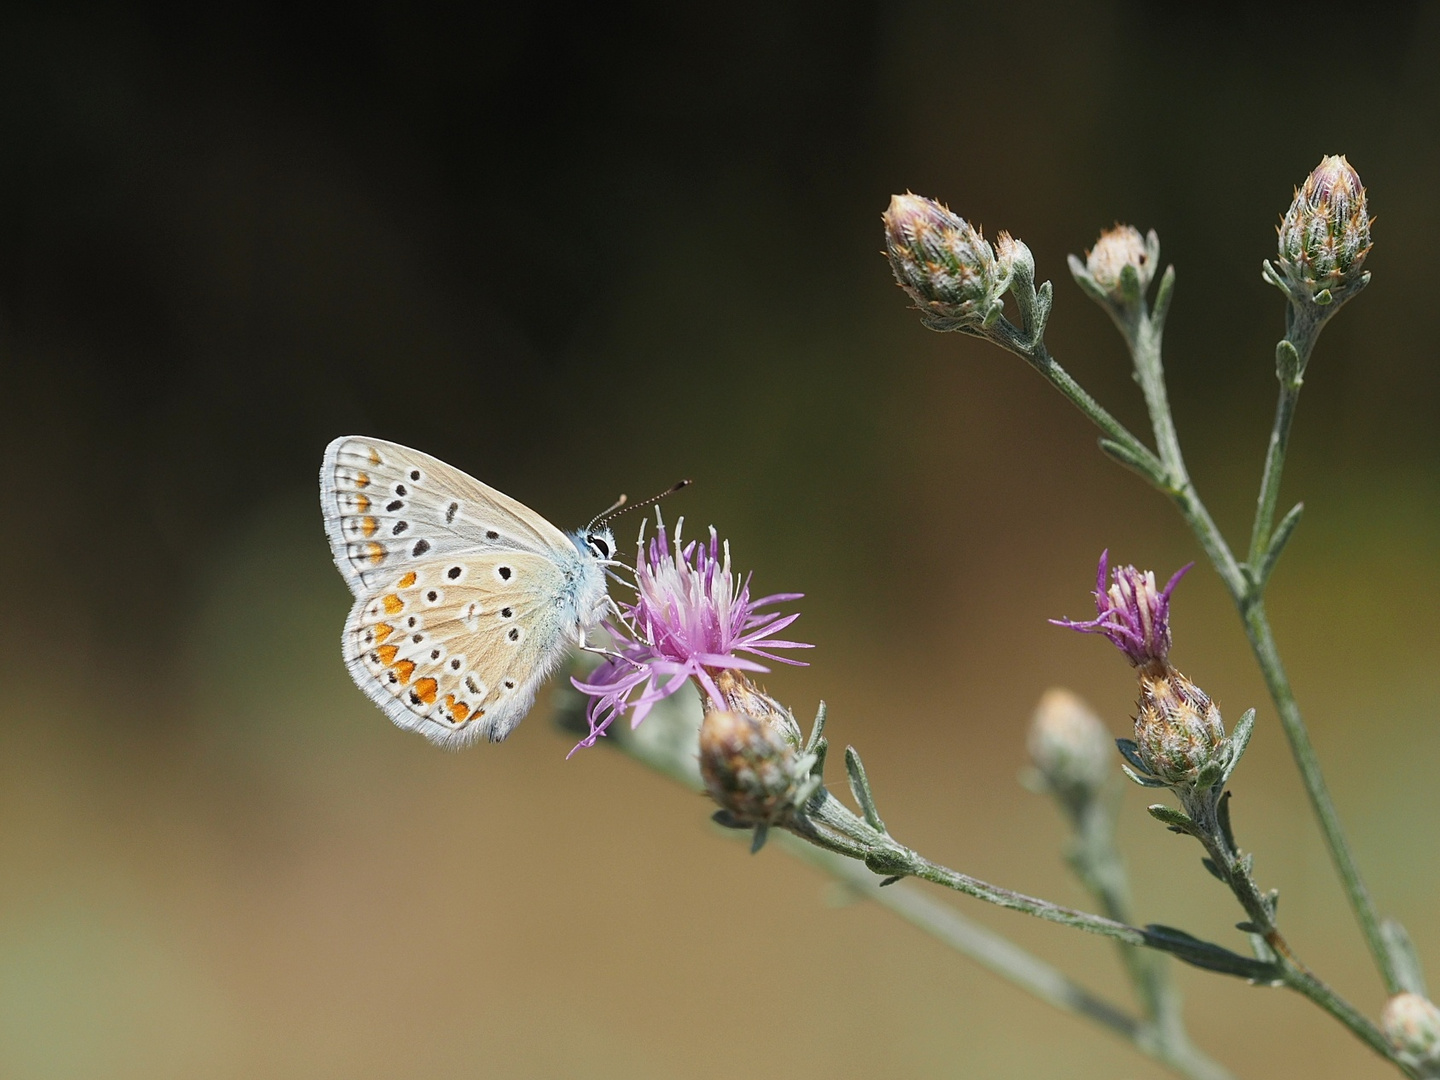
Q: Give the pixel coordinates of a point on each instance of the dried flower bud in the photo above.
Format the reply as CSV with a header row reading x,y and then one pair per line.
x,y
1070,748
1178,729
750,755
947,266
1116,249
1412,1025
1325,235
742,696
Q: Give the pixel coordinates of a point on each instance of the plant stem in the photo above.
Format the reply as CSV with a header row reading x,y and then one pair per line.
x,y
1247,592
1262,642
669,750
1097,862
1207,824
1269,496
1040,359
1143,336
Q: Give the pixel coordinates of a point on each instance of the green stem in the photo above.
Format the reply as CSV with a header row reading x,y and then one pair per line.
x,y
669,750
1262,642
1097,862
987,948
1246,590
1040,359
1174,481
1269,497
1260,910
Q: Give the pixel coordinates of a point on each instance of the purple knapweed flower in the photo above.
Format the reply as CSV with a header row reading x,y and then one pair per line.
x,y
692,618
1132,613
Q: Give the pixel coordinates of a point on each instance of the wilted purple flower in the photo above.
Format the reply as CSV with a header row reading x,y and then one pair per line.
x,y
692,618
1132,613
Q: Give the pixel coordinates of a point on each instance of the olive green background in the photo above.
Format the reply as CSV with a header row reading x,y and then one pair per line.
x,y
576,252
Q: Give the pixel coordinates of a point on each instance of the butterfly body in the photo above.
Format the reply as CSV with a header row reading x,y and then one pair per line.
x,y
465,599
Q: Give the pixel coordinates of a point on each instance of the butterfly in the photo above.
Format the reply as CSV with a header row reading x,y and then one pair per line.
x,y
465,599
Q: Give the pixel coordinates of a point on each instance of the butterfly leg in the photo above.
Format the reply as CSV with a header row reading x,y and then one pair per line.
x,y
608,654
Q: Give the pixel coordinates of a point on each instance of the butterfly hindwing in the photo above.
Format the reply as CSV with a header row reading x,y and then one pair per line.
x,y
456,648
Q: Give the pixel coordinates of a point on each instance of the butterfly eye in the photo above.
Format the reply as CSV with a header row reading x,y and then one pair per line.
x,y
599,546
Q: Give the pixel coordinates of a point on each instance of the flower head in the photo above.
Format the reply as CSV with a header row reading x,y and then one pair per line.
x,y
692,618
750,755
1412,1026
945,264
1178,729
1070,748
1116,249
1325,235
1132,612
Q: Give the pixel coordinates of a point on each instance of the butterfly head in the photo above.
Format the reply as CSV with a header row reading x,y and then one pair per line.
x,y
598,543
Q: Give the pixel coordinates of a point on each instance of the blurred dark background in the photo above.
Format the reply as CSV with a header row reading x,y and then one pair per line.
x,y
579,251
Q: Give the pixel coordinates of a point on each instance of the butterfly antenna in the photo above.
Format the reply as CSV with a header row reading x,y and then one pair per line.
x,y
616,505
622,506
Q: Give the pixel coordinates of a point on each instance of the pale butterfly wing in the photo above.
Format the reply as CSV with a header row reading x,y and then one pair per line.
x,y
386,504
466,600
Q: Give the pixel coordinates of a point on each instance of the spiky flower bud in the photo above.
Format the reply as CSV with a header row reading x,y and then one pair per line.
x,y
750,755
947,266
1118,248
1412,1025
1070,748
1178,730
1325,235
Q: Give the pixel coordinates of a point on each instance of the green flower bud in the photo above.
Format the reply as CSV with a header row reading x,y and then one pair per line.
x,y
1412,1025
1118,248
948,268
1325,235
1178,730
1070,748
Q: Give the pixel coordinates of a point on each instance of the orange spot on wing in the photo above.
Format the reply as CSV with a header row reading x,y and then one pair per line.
x,y
368,526
404,669
458,709
375,552
383,631
362,479
393,604
425,690
374,457
387,654
406,581
362,503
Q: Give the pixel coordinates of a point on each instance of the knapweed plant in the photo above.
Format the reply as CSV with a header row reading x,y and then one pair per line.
x,y
694,621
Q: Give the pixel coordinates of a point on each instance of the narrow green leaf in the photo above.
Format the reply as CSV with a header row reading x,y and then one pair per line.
x,y
1222,813
1174,818
1162,300
1403,957
1287,363
1143,462
1205,955
818,731
1278,540
1239,740
860,788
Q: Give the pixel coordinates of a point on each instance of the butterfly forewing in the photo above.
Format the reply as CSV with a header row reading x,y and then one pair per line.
x,y
466,600
387,506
